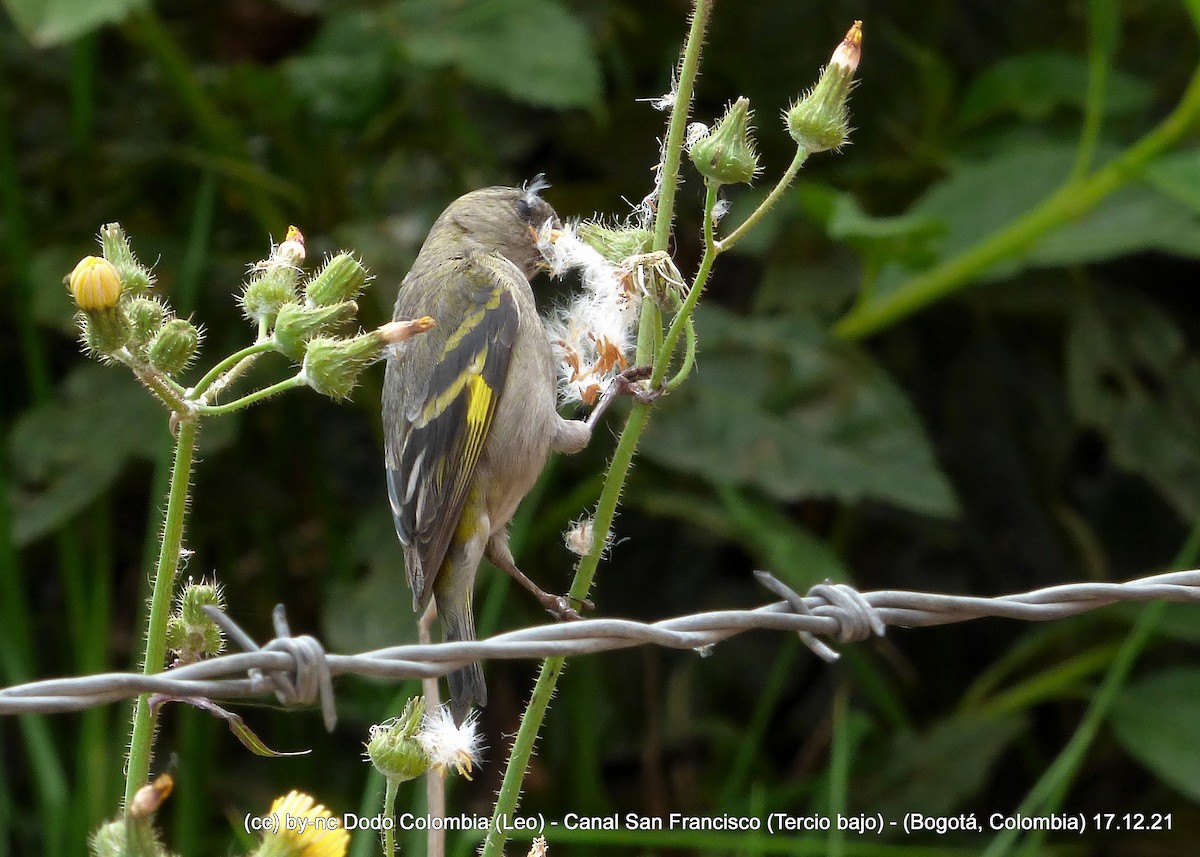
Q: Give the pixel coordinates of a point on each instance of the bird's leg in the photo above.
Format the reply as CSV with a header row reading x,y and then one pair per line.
x,y
557,606
625,384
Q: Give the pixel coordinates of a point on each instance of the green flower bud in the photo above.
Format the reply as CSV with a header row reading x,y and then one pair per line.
x,y
269,289
820,120
342,278
332,366
296,324
726,155
191,634
393,747
126,838
615,243
104,331
134,277
174,346
146,317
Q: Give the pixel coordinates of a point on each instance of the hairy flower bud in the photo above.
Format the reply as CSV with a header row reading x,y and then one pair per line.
x,y
726,155
191,634
332,366
342,278
296,324
820,120
615,243
174,346
146,316
134,276
393,747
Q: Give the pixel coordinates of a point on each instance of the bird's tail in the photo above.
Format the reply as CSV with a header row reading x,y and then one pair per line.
x,y
466,684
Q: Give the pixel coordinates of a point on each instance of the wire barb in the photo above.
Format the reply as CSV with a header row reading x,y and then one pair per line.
x,y
299,671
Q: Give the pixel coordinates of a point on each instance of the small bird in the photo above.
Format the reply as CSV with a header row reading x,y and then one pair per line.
x,y
470,408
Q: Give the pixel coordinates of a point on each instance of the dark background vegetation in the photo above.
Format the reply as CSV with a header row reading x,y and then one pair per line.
x,y
1040,427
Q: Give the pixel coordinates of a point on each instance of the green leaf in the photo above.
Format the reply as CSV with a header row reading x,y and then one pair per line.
x,y
941,769
982,198
67,452
1031,86
1155,721
1177,174
776,405
1131,377
535,51
344,75
52,22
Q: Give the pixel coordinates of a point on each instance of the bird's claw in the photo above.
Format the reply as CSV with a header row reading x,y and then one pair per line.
x,y
559,606
628,384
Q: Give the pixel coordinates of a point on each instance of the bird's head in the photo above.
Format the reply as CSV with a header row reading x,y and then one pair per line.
x,y
504,220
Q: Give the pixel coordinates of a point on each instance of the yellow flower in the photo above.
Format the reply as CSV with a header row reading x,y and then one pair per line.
x,y
95,284
303,828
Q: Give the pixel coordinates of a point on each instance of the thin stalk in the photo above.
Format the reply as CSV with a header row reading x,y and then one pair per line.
x,y
142,735
689,303
673,147
689,358
229,363
785,181
389,812
1065,205
248,400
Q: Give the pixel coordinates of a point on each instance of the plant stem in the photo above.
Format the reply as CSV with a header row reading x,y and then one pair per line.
x,y
606,507
689,66
230,363
1068,203
389,812
248,400
142,735
684,316
785,181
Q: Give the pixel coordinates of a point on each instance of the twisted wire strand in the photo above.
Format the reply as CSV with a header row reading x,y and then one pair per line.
x,y
299,671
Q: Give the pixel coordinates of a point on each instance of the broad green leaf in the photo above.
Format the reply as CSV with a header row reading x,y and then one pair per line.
x,y
776,405
52,22
1155,721
1031,86
49,302
66,453
939,770
980,199
1135,219
1177,174
1131,377
535,51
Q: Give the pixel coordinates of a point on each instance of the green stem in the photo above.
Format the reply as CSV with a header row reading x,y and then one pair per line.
x,y
689,303
1070,202
253,398
230,363
389,811
1099,58
673,147
689,359
785,181
142,735
172,395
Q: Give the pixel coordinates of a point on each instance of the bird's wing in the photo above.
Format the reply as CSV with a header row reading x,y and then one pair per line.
x,y
442,397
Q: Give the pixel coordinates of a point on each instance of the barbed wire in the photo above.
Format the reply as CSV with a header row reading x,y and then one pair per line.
x,y
299,672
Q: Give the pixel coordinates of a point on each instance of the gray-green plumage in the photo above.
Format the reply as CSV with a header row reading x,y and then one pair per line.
x,y
469,408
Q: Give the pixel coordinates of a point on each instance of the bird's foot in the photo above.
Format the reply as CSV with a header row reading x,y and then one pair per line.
x,y
559,606
628,383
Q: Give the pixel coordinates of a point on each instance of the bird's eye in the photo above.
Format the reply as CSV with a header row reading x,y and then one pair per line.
x,y
524,209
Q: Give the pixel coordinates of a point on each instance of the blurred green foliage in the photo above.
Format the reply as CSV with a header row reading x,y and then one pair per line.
x,y
1041,428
